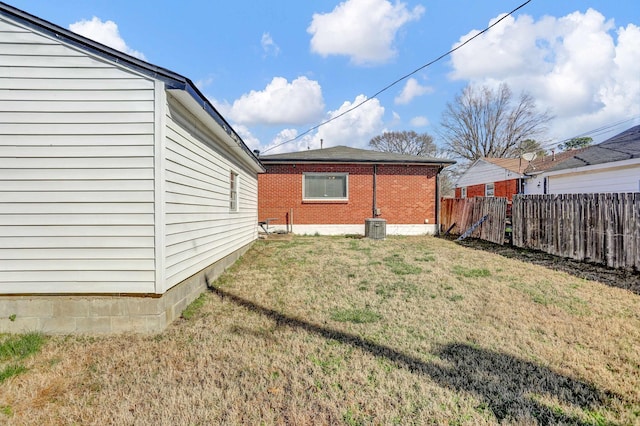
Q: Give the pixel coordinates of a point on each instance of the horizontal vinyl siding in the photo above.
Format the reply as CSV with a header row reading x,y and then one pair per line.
x,y
596,181
483,172
76,170
200,228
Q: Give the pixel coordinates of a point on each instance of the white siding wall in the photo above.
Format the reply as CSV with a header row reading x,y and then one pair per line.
x,y
76,170
612,179
484,172
534,185
200,228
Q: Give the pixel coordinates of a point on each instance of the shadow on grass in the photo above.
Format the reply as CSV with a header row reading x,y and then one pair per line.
x,y
623,278
506,385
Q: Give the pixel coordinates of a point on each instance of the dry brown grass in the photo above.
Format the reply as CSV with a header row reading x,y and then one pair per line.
x,y
328,330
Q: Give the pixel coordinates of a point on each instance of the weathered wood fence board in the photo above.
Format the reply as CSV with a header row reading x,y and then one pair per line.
x,y
600,228
464,212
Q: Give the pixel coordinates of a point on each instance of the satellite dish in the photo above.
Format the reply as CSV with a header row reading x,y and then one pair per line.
x,y
529,156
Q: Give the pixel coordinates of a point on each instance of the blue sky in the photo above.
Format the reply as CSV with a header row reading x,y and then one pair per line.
x,y
276,69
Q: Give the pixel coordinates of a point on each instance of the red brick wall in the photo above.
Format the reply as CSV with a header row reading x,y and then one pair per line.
x,y
475,191
505,188
405,195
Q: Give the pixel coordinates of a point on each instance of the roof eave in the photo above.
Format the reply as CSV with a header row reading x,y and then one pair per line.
x,y
172,80
444,163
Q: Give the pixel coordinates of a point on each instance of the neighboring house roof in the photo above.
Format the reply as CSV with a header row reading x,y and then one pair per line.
x,y
623,146
547,162
486,170
515,165
345,154
172,80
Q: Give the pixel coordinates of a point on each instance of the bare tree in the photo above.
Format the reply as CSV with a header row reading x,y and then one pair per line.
x,y
405,142
412,143
531,145
483,122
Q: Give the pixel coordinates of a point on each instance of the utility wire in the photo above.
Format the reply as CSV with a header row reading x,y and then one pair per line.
x,y
444,55
607,128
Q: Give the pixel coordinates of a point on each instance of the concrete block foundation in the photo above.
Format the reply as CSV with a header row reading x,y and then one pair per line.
x,y
107,314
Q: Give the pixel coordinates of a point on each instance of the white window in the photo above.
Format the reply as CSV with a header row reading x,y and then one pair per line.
x,y
489,190
325,186
233,193
463,192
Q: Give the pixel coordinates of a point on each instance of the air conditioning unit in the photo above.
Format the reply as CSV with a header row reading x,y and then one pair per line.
x,y
376,229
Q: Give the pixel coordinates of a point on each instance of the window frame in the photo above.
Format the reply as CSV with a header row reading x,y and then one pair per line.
x,y
234,190
493,189
344,175
463,192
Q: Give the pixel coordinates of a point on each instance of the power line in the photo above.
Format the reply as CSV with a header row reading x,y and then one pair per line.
x,y
602,130
387,87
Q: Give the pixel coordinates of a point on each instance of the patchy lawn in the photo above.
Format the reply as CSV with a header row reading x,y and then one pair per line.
x,y
334,330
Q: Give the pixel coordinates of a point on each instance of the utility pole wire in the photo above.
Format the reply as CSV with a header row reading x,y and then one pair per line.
x,y
375,95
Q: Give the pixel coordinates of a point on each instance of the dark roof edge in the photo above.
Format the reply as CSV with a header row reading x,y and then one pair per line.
x,y
354,161
172,79
77,40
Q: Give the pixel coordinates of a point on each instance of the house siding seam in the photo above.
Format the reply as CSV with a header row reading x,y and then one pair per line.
x,y
404,194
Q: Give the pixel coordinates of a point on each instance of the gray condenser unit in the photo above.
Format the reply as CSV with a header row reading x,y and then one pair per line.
x,y
375,229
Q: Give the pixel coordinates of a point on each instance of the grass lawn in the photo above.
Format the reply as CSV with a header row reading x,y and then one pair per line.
x,y
335,330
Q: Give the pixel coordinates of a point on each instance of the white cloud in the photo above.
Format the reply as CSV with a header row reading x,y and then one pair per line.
x,y
354,129
364,30
411,90
268,45
580,66
283,142
419,121
106,33
249,139
281,102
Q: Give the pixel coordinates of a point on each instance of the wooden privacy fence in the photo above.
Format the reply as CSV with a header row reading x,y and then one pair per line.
x,y
464,212
600,228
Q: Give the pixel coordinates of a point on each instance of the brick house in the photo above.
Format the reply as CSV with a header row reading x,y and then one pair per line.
x,y
492,177
334,190
506,177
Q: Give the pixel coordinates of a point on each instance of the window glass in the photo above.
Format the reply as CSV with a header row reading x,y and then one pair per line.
x,y
233,197
489,190
325,186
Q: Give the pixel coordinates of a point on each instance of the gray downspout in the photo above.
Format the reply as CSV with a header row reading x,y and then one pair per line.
x,y
375,207
438,200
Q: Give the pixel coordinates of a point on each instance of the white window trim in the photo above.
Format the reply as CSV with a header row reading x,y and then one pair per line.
x,y
463,192
304,195
493,189
234,189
